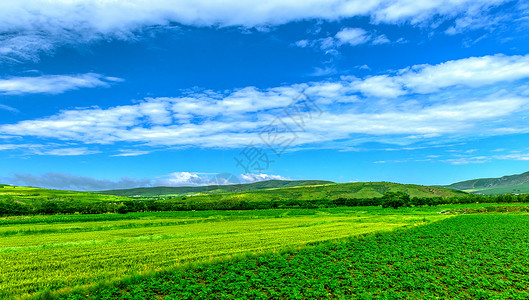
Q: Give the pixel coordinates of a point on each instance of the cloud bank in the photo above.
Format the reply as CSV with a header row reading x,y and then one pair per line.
x,y
477,96
28,28
53,84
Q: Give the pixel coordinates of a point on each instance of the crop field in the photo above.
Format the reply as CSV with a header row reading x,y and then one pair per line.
x,y
363,252
465,257
50,253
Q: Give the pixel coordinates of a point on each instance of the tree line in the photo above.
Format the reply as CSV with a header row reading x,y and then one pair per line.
x,y
10,207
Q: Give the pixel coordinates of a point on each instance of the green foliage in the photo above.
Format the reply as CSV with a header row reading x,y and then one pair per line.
x,y
16,201
53,252
395,199
467,257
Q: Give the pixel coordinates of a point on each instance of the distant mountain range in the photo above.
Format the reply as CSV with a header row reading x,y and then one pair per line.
x,y
513,184
211,189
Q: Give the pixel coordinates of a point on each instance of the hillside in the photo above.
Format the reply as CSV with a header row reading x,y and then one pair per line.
x,y
513,184
329,192
211,189
32,194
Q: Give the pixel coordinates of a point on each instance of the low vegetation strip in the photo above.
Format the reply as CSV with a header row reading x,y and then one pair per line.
x,y
486,209
62,259
465,257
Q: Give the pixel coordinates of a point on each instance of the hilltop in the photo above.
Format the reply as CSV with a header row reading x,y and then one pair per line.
x,y
512,184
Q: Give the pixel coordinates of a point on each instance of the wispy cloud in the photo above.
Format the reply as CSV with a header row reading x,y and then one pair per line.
x,y
67,151
427,102
50,149
352,36
344,37
8,108
29,28
53,84
126,153
464,160
470,72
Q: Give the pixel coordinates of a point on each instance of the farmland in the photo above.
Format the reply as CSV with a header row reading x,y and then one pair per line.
x,y
34,201
64,255
58,252
466,257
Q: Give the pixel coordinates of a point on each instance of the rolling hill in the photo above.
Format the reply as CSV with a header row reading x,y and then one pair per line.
x,y
512,184
211,189
329,192
33,194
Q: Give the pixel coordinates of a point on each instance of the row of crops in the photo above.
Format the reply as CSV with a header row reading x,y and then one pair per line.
x,y
60,252
466,257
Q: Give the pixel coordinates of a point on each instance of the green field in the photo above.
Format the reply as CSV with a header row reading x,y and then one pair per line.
x,y
70,254
466,257
59,252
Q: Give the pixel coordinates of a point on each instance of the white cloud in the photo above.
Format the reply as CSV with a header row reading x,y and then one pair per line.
x,y
470,72
352,36
28,28
249,178
346,36
126,153
14,146
379,86
303,43
381,39
183,179
67,151
393,109
8,108
53,84
52,149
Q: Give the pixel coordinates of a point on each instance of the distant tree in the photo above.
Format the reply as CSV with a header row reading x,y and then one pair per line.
x,y
49,207
395,199
122,209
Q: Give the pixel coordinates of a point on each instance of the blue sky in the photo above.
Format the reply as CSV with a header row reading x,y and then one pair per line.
x,y
112,94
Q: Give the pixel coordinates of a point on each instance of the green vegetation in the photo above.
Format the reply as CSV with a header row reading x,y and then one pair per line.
x,y
32,201
58,244
28,195
15,200
466,257
358,190
59,252
162,191
514,184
